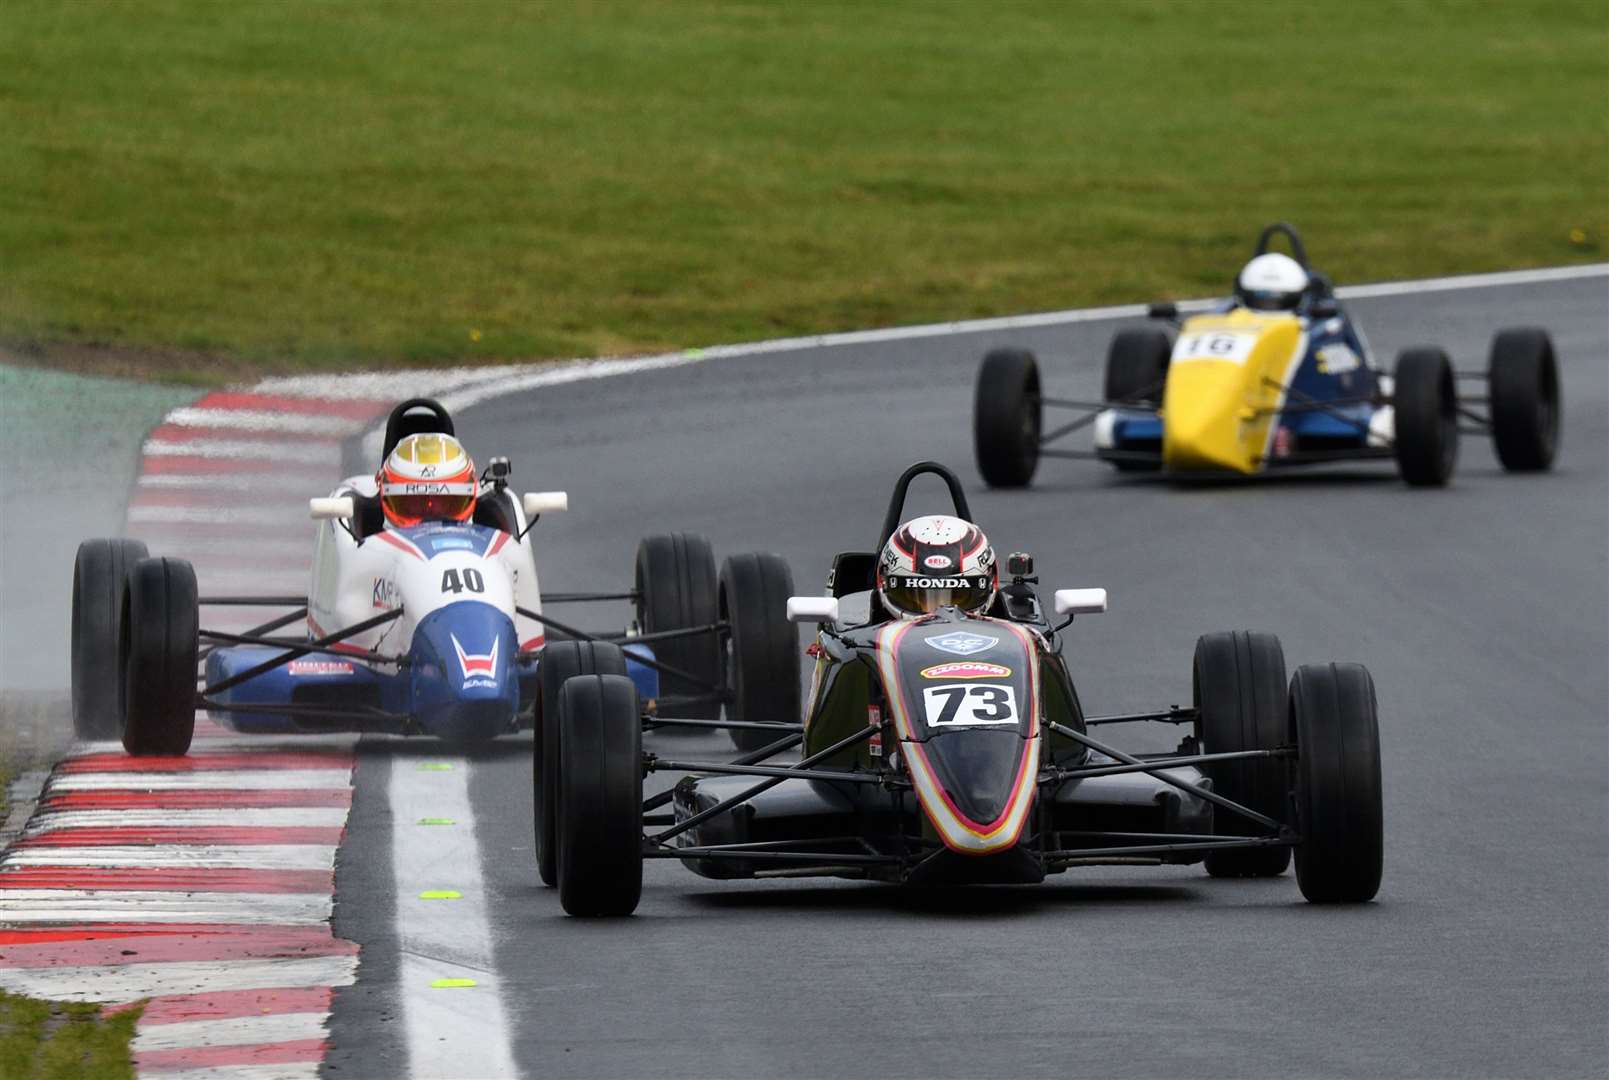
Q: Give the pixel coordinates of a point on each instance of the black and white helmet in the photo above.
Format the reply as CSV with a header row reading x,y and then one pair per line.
x,y
934,562
1271,282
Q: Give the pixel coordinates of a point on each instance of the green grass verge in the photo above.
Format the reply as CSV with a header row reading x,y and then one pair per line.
x,y
48,1040
308,184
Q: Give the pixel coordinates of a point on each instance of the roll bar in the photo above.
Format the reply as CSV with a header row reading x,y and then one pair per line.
x,y
404,422
896,504
1287,230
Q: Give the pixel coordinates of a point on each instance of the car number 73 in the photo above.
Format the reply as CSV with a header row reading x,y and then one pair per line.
x,y
969,705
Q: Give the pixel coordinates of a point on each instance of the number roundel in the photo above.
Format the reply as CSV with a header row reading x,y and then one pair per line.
x,y
469,579
969,705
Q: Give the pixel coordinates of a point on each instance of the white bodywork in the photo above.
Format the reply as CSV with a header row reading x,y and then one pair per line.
x,y
353,582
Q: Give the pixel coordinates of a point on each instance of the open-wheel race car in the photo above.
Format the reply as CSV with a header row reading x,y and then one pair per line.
x,y
944,742
1277,375
424,615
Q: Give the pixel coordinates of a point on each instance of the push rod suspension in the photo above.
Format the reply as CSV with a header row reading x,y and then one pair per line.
x,y
582,635
787,742
1165,763
654,764
254,639
587,597
801,769
1171,715
302,650
255,601
1168,849
1158,772
266,628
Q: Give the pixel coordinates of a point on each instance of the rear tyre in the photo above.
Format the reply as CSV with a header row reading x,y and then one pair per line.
x,y
1007,418
1137,366
561,662
1426,410
675,584
1338,806
600,796
157,654
1522,377
1240,692
762,649
100,575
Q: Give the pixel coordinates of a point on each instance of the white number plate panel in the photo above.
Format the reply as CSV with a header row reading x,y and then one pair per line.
x,y
1214,345
969,705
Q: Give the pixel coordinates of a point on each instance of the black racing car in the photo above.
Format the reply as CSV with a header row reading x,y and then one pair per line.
x,y
953,748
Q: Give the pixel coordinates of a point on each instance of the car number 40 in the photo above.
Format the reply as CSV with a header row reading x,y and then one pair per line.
x,y
969,705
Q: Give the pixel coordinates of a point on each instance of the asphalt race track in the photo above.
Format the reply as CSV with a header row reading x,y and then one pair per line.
x,y
1482,610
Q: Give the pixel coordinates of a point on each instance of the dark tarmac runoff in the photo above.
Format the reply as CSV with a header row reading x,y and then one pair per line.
x,y
1482,611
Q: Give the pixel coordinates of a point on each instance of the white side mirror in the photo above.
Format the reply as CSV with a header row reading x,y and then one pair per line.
x,y
332,508
812,609
545,502
1080,601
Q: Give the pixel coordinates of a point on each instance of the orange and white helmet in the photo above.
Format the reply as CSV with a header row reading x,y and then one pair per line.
x,y
428,477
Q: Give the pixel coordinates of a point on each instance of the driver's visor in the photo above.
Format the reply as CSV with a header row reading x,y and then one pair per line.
x,y
410,503
922,595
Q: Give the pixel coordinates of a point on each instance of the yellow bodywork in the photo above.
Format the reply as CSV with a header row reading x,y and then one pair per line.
x,y
1225,380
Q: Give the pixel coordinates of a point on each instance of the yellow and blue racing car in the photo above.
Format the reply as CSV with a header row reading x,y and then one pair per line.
x,y
1277,375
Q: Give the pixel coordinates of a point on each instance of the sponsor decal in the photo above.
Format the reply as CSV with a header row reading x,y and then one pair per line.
x,y
1338,359
937,562
480,683
1284,441
940,582
962,642
874,719
386,593
966,669
473,664
320,667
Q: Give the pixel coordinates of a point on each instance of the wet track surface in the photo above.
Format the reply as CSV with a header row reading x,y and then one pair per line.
x,y
1482,610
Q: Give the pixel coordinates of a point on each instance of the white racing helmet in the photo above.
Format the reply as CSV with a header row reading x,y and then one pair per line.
x,y
1271,282
937,561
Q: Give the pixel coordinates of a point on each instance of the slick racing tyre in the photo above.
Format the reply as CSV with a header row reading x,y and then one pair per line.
x,y
157,654
1007,418
762,647
675,585
1240,693
1337,734
1522,377
1426,410
100,575
1137,366
600,795
561,661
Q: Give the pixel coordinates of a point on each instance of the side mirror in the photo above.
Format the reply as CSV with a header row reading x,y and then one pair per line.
x,y
544,502
812,609
1080,601
1165,310
332,508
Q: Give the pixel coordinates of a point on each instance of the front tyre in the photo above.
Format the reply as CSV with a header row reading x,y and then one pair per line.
x,y
1522,377
600,796
1137,367
100,576
1007,417
157,656
561,661
1239,689
1334,723
1426,412
763,650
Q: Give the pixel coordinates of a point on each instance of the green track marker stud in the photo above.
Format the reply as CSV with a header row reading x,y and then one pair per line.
x,y
440,894
451,984
437,821
435,766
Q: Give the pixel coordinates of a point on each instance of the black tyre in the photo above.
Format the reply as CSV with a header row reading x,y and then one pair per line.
x,y
1334,724
762,646
100,575
1426,406
600,796
1240,690
1522,378
1007,418
157,653
675,590
1137,366
561,661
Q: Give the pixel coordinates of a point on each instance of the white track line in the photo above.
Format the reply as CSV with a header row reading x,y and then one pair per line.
x,y
264,818
233,1031
449,1032
205,780
210,515
290,452
301,1070
126,982
248,420
180,857
79,906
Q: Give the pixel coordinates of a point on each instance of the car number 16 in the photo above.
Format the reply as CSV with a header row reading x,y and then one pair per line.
x,y
969,705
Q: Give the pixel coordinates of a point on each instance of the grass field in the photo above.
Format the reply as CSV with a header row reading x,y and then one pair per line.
x,y
42,1040
296,184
